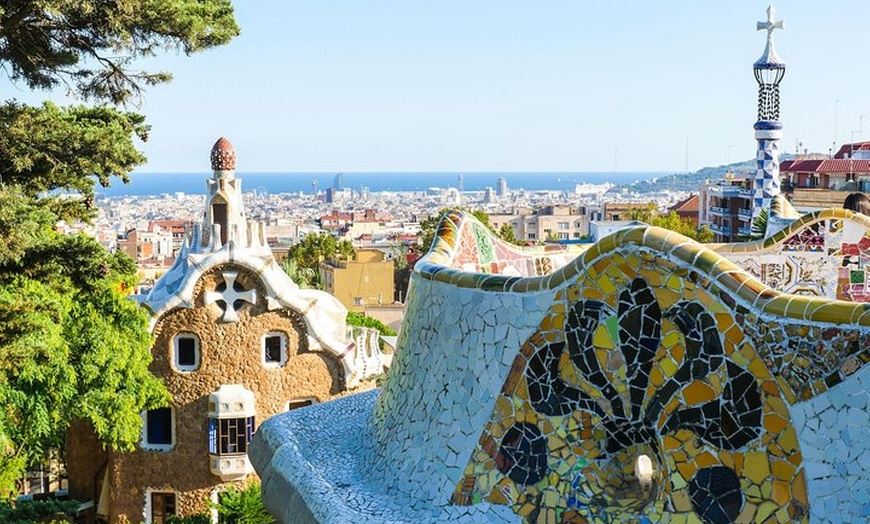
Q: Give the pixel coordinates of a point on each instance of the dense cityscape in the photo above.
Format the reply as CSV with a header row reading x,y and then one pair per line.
x,y
686,347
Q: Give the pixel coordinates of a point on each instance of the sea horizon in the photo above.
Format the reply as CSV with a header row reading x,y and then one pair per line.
x,y
276,182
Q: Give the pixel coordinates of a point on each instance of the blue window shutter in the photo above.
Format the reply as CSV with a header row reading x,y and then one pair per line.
x,y
212,436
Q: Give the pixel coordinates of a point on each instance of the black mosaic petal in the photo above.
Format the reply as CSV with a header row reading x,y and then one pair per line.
x,y
704,353
715,494
729,422
549,394
640,327
523,454
580,327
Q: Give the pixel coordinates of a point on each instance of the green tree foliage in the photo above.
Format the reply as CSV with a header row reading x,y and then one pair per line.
x,y
92,46
302,276
67,148
71,343
243,506
671,221
359,319
199,518
315,248
506,233
759,225
73,347
43,512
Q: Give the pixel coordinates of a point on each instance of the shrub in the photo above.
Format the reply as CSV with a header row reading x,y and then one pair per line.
x,y
243,506
358,319
41,511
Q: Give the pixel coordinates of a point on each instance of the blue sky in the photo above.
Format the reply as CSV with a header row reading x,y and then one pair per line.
x,y
508,85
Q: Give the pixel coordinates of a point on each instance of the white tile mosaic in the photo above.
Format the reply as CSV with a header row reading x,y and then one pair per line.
x,y
527,399
834,432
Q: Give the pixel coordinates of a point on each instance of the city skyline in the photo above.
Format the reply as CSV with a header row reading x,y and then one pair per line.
x,y
501,86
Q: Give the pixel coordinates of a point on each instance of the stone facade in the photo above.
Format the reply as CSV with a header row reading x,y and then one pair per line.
x,y
236,342
231,353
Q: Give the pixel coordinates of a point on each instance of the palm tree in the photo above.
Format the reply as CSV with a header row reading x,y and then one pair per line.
x,y
304,277
759,225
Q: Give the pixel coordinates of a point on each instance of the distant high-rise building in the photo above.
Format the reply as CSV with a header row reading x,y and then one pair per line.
x,y
338,182
460,183
488,195
501,187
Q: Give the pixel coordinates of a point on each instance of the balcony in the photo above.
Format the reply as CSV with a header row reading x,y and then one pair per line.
x,y
719,228
744,214
724,191
746,193
718,211
744,231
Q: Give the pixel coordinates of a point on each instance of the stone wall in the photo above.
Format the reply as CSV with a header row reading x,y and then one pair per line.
x,y
231,353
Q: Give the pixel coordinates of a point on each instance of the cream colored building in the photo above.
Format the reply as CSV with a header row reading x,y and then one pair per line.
x,y
555,222
368,280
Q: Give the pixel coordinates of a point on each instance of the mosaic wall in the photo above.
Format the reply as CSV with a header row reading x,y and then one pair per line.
x,y
826,253
649,379
478,251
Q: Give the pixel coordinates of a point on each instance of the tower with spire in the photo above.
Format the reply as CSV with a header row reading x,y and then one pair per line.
x,y
769,71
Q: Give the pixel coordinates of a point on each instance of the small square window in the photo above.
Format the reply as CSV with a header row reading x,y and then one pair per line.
x,y
275,349
186,352
158,430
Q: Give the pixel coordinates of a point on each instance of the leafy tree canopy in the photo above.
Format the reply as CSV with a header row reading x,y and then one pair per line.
x,y
69,149
307,254
92,46
243,506
42,511
671,221
73,345
506,232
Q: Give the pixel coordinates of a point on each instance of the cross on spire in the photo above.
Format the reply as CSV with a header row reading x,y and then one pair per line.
x,y
229,296
770,24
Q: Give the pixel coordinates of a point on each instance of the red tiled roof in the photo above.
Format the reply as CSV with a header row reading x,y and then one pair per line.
x,y
690,204
831,165
800,166
840,165
849,148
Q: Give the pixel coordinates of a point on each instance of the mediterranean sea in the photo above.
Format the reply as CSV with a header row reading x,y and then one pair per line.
x,y
194,183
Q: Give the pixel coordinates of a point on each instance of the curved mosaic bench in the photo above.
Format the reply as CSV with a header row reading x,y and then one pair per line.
x,y
824,253
649,379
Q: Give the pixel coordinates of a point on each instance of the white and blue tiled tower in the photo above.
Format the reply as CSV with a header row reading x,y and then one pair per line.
x,y
769,70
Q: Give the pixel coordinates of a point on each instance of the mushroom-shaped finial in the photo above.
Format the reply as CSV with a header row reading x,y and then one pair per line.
x,y
223,155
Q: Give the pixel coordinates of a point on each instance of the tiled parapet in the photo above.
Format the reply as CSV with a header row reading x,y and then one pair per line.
x,y
825,253
649,379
